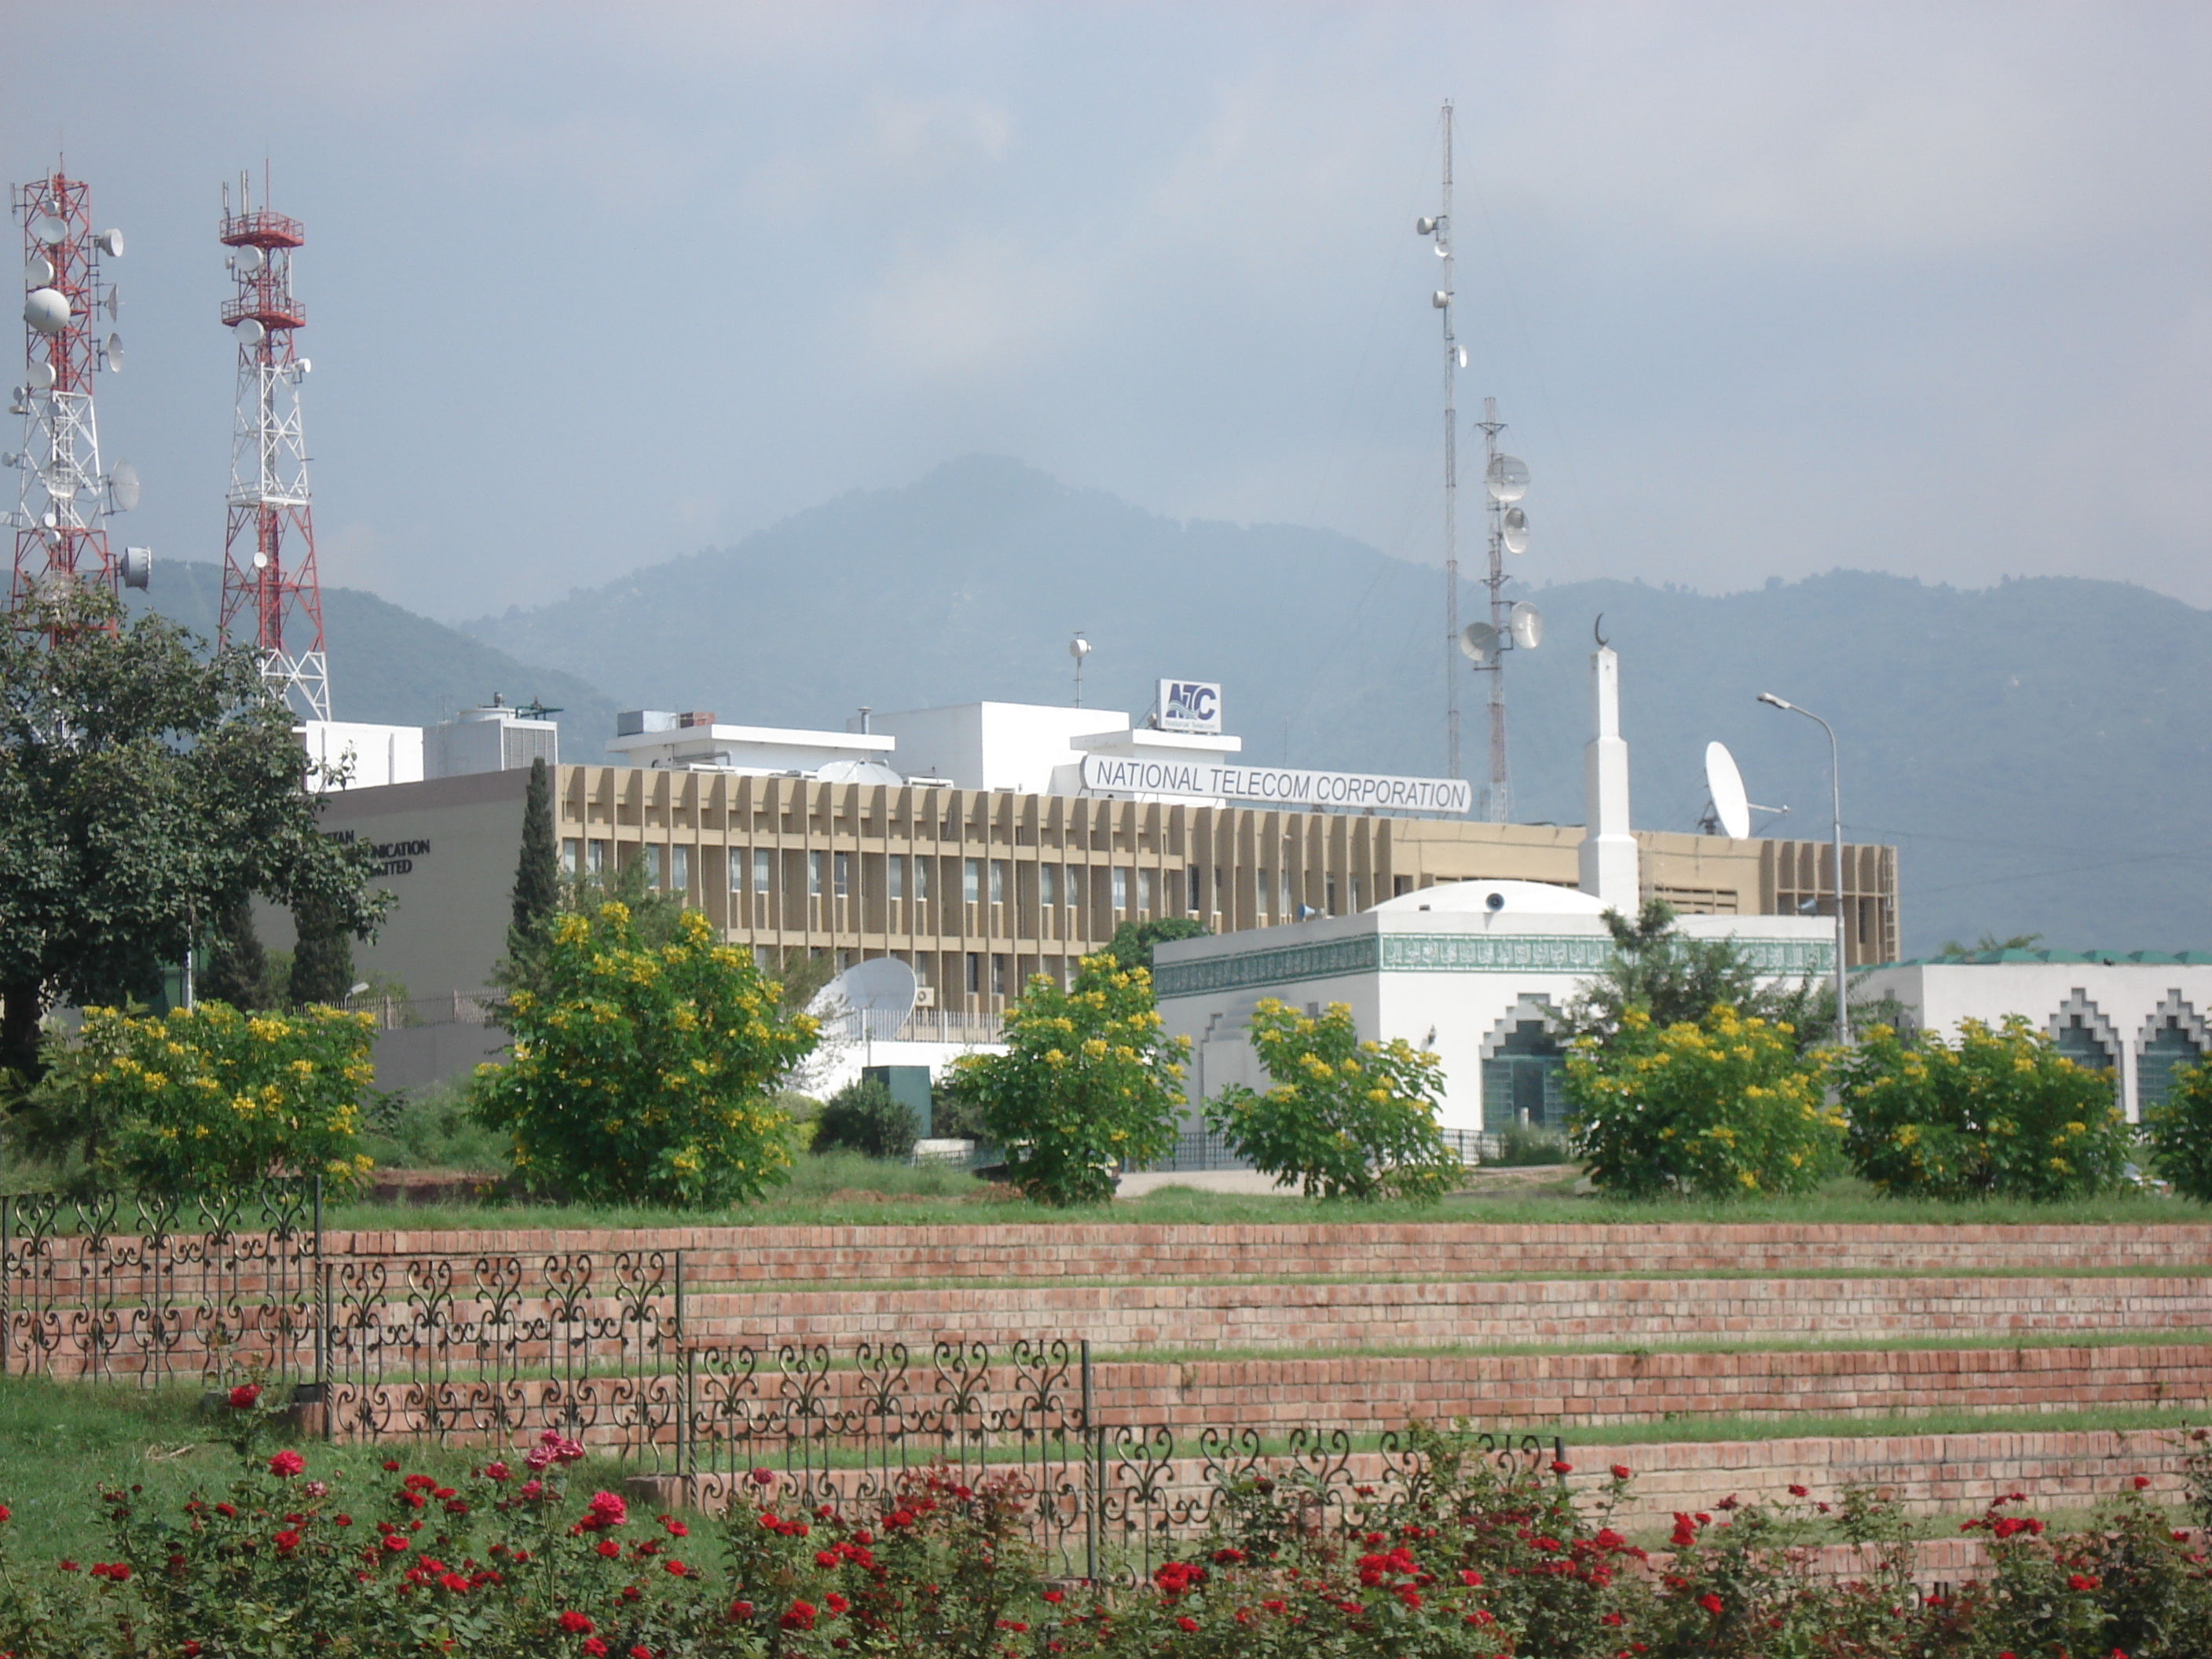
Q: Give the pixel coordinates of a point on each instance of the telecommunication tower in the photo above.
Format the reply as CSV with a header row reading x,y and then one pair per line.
x,y
62,493
1440,228
269,583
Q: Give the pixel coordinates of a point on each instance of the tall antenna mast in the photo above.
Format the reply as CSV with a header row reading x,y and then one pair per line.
x,y
269,543
1454,360
62,494
1495,797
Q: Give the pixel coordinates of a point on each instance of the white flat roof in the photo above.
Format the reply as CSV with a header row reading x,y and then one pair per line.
x,y
773,737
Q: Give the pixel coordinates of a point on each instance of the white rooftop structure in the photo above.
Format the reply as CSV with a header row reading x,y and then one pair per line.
x,y
1033,748
699,742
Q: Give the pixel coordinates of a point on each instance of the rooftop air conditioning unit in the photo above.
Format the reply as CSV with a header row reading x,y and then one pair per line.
x,y
925,996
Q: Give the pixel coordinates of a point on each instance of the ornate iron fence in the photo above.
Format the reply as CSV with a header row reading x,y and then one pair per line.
x,y
159,1290
495,1348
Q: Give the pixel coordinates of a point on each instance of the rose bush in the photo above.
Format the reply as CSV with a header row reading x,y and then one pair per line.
x,y
1476,1557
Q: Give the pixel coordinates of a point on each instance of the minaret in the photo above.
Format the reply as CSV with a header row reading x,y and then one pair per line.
x,y
1607,857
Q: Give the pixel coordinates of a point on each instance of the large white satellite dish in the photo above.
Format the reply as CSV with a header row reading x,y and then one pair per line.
x,y
882,985
1731,805
113,355
1514,530
38,271
52,231
1478,641
1506,478
248,260
249,331
123,485
40,375
47,309
111,243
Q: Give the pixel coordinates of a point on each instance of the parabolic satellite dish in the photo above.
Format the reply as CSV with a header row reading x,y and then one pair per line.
x,y
138,566
1477,641
47,309
40,376
38,271
1731,805
123,485
1515,533
1527,625
113,353
247,260
1506,478
882,985
249,332
111,243
50,231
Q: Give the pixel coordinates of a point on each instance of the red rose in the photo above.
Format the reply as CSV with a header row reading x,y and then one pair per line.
x,y
674,1567
1620,1471
1055,1596
1710,1602
2078,1581
1558,1467
608,1547
453,1582
641,1652
1796,1490
245,1395
594,1647
741,1610
287,1463
800,1615
575,1624
836,1602
394,1542
1186,1623
287,1542
2142,1480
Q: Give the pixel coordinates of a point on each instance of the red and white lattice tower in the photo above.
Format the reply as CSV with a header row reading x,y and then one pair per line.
x,y
63,493
269,586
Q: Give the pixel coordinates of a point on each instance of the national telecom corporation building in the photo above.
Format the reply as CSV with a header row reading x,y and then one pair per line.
x,y
979,844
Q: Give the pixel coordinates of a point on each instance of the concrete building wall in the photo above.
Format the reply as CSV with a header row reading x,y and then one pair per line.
x,y
2139,1012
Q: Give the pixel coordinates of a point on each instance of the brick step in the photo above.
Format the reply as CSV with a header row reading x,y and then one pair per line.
x,y
1955,1476
1428,1249
1614,1312
1368,1394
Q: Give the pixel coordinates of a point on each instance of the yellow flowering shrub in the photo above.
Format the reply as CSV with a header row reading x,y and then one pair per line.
x,y
1088,1080
206,1099
1724,1107
643,1073
2000,1113
1347,1119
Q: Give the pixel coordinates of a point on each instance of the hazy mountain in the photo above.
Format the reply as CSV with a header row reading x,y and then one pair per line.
x,y
2038,749
390,667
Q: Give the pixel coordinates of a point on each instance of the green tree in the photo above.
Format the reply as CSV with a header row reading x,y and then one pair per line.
x,y
322,957
1133,941
2002,1113
1989,942
1347,1119
2180,1131
537,872
145,786
1721,1106
644,1074
1677,980
863,1118
1088,1081
204,1099
237,967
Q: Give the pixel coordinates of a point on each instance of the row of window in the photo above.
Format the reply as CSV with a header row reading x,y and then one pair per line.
x,y
832,872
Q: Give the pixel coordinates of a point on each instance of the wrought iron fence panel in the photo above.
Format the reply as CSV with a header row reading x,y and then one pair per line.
x,y
160,1289
497,1347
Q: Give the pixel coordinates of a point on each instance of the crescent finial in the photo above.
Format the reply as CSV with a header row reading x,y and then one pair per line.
x,y
1596,630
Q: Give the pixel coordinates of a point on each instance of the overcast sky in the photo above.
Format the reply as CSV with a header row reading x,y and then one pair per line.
x,y
1763,290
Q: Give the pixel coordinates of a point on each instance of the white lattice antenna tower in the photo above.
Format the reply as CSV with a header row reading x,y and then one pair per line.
x,y
62,493
268,544
1440,228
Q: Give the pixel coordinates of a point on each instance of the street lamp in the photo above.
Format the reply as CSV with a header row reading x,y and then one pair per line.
x,y
1836,788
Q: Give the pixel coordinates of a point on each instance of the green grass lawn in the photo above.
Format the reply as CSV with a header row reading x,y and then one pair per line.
x,y
845,1190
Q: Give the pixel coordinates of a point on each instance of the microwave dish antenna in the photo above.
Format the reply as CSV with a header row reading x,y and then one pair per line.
x,y
1506,478
38,271
1478,641
50,231
1527,626
47,310
123,486
1513,530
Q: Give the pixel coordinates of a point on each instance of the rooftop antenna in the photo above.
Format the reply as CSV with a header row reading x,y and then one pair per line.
x,y
1506,481
1439,230
62,494
1079,648
269,588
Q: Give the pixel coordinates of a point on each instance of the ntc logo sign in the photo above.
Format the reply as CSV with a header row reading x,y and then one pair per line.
x,y
1190,706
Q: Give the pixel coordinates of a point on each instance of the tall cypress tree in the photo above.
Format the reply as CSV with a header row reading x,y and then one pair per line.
x,y
236,964
322,966
537,875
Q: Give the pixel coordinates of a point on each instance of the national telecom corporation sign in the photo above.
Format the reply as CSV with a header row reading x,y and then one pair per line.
x,y
1275,786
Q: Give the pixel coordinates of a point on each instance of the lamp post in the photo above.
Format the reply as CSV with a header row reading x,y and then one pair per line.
x,y
1836,789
